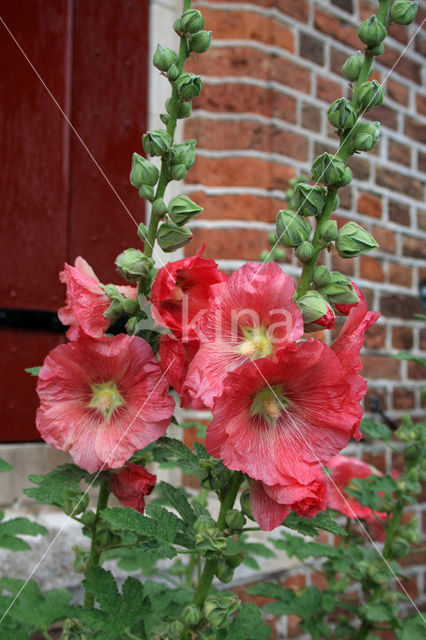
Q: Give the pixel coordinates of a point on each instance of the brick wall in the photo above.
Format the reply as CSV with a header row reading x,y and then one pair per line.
x,y
270,75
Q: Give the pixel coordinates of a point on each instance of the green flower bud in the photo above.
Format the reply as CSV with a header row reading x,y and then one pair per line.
x,y
377,574
321,276
169,630
235,560
329,170
266,256
378,50
372,32
201,41
203,522
292,229
81,559
143,232
213,474
313,307
173,73
133,265
339,290
75,502
159,208
352,67
177,26
143,172
399,547
403,11
163,58
189,86
245,504
171,237
178,171
156,143
191,21
223,572
347,177
147,192
182,209
366,135
309,200
164,117
184,109
352,241
218,609
210,540
88,519
73,630
336,203
234,519
191,615
341,114
370,94
183,153
130,306
411,531
305,251
328,232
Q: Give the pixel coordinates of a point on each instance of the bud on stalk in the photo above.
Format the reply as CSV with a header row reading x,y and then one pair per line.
x,y
366,136
171,237
133,265
352,241
372,32
292,229
331,171
352,67
156,143
164,58
182,209
310,200
317,314
341,114
188,86
143,172
403,11
370,94
305,251
191,21
200,42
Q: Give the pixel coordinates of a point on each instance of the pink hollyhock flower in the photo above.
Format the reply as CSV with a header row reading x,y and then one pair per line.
x,y
181,291
102,399
280,421
250,316
344,309
175,357
86,301
131,484
343,470
270,505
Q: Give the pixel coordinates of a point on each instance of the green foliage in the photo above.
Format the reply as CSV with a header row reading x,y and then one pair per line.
x,y
247,625
311,526
10,529
169,449
5,466
54,487
376,430
33,371
412,627
177,498
295,546
409,356
164,602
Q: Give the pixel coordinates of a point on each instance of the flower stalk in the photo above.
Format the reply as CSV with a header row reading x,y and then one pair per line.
x,y
95,550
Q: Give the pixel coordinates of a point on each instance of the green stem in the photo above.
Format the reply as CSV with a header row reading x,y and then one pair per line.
x,y
95,551
392,529
190,570
130,635
46,635
210,565
171,128
364,630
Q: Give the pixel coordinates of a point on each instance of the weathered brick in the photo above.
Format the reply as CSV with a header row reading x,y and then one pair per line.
x,y
421,161
369,205
400,153
385,115
397,91
360,167
422,339
337,60
289,144
296,581
237,207
241,172
399,213
403,399
379,394
416,371
290,74
398,32
293,627
402,338
409,585
371,269
399,306
298,9
421,219
328,90
403,65
381,367
385,238
234,244
229,134
346,5
399,182
342,265
420,43
400,274
312,48
377,460
337,29
247,25
421,103
311,117
375,337
319,580
414,247
415,129
232,61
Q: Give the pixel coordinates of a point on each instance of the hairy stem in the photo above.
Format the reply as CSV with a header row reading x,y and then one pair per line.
x,y
95,551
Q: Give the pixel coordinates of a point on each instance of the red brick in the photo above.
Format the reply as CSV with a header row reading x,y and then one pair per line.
x,y
399,182
311,117
337,60
402,338
399,213
311,48
247,25
360,167
381,367
396,91
421,161
403,65
409,585
384,114
369,205
371,269
341,264
415,130
421,104
337,29
232,61
231,244
241,172
380,394
399,274
377,460
237,207
421,219
298,9
295,582
290,74
399,153
385,239
403,399
375,337
416,371
289,144
293,627
399,306
328,90
319,580
414,247
414,559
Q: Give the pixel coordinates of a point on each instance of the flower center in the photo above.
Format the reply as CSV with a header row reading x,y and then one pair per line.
x,y
268,403
177,293
105,398
256,343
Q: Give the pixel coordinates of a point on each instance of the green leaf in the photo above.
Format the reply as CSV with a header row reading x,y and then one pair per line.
x,y
412,627
178,499
376,430
53,486
33,371
409,356
11,528
162,599
248,625
311,526
378,611
296,547
5,466
172,449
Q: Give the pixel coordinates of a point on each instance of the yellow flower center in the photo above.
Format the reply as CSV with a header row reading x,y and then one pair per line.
x,y
269,403
105,398
256,344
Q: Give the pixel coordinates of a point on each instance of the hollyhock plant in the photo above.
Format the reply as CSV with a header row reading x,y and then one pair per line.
x,y
175,358
345,309
279,421
131,484
181,292
86,301
102,399
270,505
250,316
